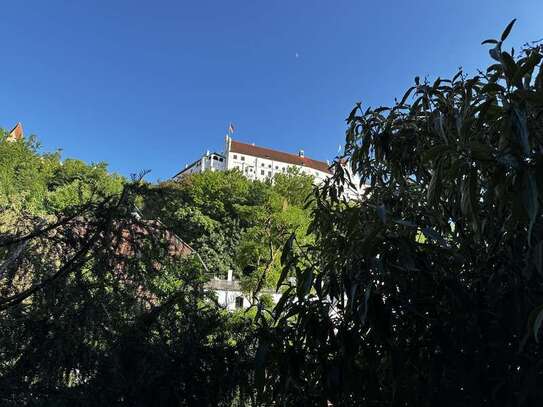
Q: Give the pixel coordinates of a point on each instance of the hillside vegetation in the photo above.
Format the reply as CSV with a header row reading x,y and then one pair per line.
x,y
96,309
426,292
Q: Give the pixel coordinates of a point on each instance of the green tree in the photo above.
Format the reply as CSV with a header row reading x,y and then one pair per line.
x,y
44,184
429,291
95,310
233,222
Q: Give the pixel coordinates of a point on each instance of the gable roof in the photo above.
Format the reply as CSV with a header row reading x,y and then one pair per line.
x,y
262,152
16,133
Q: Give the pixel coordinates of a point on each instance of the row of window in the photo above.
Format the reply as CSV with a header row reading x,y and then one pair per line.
x,y
242,158
262,172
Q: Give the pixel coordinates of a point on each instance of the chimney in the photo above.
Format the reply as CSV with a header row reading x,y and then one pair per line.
x,y
301,153
230,276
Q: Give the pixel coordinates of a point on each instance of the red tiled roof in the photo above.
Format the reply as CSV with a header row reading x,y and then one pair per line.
x,y
16,133
262,152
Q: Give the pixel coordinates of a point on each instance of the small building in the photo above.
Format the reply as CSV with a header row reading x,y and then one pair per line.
x,y
231,297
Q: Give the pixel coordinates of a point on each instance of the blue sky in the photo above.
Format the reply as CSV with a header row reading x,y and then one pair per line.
x,y
151,85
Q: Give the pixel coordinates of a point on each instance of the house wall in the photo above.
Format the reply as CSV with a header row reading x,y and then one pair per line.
x,y
230,296
227,299
258,168
209,161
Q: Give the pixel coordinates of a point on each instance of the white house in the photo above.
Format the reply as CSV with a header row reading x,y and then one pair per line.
x,y
230,296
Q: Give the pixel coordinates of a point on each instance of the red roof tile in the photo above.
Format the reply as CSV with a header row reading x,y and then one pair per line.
x,y
16,133
262,152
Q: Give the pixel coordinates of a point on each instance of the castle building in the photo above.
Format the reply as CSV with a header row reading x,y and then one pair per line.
x,y
256,163
261,164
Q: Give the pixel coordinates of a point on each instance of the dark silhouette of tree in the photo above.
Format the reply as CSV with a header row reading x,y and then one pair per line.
x,y
103,307
428,292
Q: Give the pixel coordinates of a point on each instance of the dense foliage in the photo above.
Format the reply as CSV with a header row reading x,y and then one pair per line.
x,y
43,183
96,311
426,292
235,223
98,305
429,292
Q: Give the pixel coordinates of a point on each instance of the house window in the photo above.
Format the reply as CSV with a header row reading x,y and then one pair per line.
x,y
221,160
215,157
276,167
235,156
261,172
242,158
269,173
239,302
262,165
269,165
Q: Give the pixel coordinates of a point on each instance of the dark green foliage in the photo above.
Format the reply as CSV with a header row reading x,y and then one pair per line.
x,y
429,291
97,311
95,308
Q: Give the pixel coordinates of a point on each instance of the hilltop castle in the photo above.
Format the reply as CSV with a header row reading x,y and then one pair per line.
x,y
261,163
256,163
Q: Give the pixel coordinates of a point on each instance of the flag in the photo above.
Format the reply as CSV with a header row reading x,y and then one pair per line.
x,y
231,129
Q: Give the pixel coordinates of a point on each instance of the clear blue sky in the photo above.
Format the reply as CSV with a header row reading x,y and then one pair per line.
x,y
153,84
